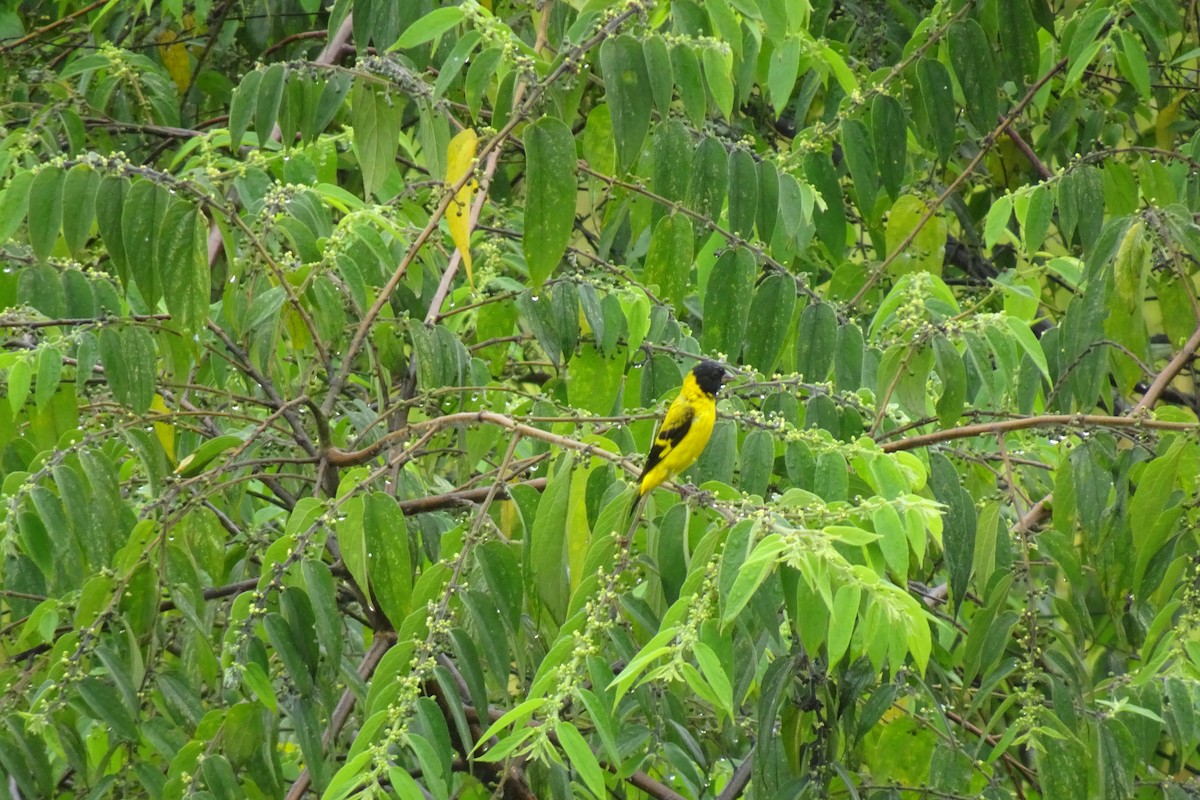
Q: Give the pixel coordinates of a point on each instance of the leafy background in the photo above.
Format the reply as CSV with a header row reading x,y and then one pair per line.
x,y
332,337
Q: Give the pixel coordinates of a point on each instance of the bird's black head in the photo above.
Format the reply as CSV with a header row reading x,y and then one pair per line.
x,y
709,376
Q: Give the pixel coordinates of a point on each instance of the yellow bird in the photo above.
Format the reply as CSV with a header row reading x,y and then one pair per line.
x,y
686,428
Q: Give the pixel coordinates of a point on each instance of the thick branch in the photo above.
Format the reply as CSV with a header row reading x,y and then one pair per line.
x,y
1169,372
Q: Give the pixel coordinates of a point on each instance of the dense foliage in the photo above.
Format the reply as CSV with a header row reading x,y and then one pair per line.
x,y
334,334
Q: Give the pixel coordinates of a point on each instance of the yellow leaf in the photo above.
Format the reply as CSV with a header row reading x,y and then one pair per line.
x,y
1163,136
175,58
926,251
460,160
165,431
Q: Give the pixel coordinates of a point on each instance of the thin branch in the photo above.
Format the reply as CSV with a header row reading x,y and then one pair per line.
x,y
58,23
345,458
438,502
1025,423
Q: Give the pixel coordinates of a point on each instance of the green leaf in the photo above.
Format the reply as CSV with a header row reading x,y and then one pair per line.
x,y
860,159
1150,502
848,358
1018,47
479,76
1117,760
14,204
45,210
454,62
831,220
743,193
782,70
689,82
287,648
672,166
79,206
48,372
550,196
581,757
757,462
727,299
627,87
889,134
388,550
718,66
893,540
546,553
110,205
937,105
593,380
841,621
959,522
318,583
953,374
816,344
141,226
106,704
997,221
710,167
668,262
658,69
242,106
751,574
926,251
971,56
1028,343
376,118
603,721
1134,66
502,573
183,254
1063,769
770,321
268,100
130,362
1131,267
20,379
1080,41
1081,205
832,477
715,675
768,200
429,27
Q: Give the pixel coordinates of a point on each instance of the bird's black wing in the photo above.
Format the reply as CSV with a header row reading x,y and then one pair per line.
x,y
675,426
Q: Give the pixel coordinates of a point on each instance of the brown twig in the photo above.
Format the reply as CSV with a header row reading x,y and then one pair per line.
x,y
58,23
1169,373
1025,423
1038,165
347,458
739,780
437,502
